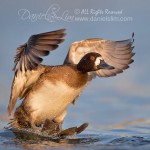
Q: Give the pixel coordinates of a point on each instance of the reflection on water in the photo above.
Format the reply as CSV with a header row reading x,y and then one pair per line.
x,y
129,137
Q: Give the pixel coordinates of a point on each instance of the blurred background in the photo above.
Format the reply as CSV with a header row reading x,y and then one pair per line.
x,y
107,102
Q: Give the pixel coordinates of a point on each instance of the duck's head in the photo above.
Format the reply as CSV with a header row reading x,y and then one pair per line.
x,y
92,62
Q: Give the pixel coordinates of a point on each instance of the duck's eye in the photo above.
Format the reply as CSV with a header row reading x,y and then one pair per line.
x,y
98,61
92,58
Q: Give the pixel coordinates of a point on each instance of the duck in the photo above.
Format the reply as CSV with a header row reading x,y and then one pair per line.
x,y
47,91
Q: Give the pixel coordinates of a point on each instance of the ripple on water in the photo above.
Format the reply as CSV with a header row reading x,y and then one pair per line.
x,y
127,139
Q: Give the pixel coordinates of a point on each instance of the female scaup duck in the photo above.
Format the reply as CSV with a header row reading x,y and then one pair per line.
x,y
47,91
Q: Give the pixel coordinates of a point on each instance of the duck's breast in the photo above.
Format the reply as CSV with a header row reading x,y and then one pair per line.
x,y
51,99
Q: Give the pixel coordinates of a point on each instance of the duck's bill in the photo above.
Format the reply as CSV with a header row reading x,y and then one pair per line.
x,y
104,65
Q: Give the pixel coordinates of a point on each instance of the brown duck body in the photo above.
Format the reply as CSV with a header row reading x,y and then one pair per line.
x,y
56,88
47,91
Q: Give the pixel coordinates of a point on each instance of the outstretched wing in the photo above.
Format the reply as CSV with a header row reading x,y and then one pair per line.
x,y
116,53
27,62
28,56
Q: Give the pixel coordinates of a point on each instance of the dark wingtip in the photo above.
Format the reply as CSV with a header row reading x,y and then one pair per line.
x,y
132,61
61,41
133,35
60,30
133,54
63,30
55,47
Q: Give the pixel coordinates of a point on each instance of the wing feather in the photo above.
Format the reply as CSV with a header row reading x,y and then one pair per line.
x,y
37,46
27,62
48,47
22,82
17,87
116,53
40,53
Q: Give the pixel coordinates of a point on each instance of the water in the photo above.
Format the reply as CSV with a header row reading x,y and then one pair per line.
x,y
131,137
